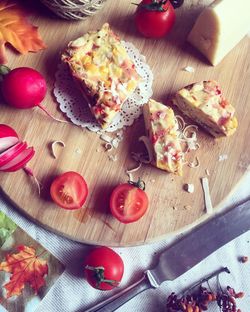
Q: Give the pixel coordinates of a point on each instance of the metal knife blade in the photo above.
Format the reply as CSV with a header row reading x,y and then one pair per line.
x,y
200,243
185,254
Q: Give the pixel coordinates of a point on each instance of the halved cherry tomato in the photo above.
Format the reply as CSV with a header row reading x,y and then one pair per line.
x,y
129,202
103,268
69,190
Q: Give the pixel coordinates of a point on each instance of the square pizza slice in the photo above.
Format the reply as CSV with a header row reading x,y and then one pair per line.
x,y
162,130
204,103
103,70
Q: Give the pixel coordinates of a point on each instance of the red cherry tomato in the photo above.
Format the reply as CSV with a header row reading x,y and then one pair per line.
x,y
69,190
103,268
154,19
128,203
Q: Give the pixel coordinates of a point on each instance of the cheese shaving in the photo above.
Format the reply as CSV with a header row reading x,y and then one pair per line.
x,y
189,138
194,164
53,147
149,148
130,171
106,138
108,147
207,197
134,169
115,142
181,122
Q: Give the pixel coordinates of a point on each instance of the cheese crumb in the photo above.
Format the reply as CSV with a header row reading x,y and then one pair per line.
x,y
78,151
113,157
188,187
207,172
223,157
189,69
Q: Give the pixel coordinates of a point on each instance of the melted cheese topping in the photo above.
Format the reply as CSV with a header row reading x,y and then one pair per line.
x,y
100,62
163,132
207,98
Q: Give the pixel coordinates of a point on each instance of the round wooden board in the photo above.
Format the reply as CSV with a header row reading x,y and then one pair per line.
x,y
171,208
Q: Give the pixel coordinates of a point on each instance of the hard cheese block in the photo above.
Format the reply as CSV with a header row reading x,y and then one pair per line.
x,y
220,27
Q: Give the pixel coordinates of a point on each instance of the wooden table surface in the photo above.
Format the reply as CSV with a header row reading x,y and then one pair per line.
x,y
171,208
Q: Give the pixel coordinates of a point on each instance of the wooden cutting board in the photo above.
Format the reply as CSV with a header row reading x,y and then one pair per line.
x,y
171,208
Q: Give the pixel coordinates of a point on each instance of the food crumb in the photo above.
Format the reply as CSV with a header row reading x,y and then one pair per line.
x,y
78,151
207,172
223,157
189,69
98,150
174,208
152,180
113,157
187,207
188,187
243,259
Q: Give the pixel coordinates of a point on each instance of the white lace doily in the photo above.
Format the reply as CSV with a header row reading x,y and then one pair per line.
x,y
77,110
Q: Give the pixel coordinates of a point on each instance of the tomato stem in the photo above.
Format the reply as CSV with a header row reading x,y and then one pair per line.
x,y
140,184
99,276
155,5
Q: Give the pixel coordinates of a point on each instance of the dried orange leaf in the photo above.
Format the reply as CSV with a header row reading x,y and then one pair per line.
x,y
17,31
25,268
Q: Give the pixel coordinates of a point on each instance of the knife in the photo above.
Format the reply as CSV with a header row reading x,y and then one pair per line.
x,y
190,250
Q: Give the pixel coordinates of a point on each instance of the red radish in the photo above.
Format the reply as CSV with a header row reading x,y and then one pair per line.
x,y
24,87
8,137
19,161
11,153
14,154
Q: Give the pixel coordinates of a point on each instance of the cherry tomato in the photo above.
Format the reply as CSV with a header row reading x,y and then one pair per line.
x,y
129,202
69,190
103,268
154,19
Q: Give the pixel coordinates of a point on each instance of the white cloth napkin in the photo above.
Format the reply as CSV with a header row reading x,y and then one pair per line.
x,y
71,293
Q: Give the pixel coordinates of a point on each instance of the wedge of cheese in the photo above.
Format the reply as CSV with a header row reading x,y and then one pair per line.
x,y
162,130
204,103
220,27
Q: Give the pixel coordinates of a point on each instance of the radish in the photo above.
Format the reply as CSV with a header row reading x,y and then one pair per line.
x,y
24,88
14,154
8,137
11,153
19,161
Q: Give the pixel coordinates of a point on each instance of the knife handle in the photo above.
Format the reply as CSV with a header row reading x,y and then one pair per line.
x,y
117,300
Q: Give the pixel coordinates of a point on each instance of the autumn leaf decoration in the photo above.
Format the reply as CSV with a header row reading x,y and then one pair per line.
x,y
16,30
25,268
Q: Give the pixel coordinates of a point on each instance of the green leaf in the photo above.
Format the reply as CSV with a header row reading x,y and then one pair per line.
x,y
7,227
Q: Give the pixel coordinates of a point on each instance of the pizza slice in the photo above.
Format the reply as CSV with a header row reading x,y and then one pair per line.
x,y
162,130
204,103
